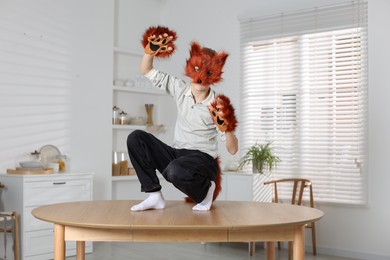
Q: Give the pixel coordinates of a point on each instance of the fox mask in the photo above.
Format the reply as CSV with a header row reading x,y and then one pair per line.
x,y
205,65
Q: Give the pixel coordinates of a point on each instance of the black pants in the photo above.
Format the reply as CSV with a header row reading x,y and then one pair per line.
x,y
190,171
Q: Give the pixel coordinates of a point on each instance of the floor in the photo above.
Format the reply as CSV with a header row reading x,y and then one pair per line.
x,y
188,251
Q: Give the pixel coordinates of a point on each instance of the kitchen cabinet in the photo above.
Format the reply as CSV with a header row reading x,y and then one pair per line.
x,y
23,193
244,186
128,187
236,186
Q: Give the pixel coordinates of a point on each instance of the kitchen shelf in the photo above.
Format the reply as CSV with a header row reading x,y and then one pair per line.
x,y
152,91
131,177
129,127
130,91
127,51
124,178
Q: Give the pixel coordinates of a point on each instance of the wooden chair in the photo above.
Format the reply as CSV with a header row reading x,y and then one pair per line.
x,y
5,218
298,186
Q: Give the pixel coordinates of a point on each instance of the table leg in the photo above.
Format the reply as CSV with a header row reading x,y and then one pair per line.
x,y
299,243
80,250
59,242
270,248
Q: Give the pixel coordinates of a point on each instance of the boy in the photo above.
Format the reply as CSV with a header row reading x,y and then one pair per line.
x,y
191,164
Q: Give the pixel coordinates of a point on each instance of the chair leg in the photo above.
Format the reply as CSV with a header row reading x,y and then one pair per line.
x,y
313,238
251,248
270,249
16,245
290,250
14,230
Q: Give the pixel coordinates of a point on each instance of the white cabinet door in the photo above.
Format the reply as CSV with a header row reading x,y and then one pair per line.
x,y
239,187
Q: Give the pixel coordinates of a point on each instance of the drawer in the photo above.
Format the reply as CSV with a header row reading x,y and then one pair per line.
x,y
39,242
56,191
31,223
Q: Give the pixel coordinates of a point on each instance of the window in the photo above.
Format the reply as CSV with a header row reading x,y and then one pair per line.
x,y
304,87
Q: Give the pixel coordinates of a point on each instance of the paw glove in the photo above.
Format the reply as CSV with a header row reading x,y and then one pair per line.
x,y
159,41
222,113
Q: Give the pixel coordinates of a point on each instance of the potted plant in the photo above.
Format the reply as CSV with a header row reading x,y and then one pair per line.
x,y
260,155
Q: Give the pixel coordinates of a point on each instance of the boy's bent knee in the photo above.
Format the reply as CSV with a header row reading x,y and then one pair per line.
x,y
172,172
135,136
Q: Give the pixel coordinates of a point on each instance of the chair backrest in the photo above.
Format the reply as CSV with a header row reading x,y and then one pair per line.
x,y
298,188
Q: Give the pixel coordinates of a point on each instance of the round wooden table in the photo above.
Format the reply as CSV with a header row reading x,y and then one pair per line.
x,y
227,221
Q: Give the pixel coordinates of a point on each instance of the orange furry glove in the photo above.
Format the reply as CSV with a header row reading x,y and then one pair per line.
x,y
222,113
158,41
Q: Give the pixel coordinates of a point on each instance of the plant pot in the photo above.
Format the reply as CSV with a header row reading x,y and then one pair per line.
x,y
259,169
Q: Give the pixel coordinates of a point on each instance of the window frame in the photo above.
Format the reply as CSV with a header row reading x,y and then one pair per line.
x,y
287,100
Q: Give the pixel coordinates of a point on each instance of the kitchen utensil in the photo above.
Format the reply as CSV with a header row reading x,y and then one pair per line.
x,y
49,153
31,164
21,171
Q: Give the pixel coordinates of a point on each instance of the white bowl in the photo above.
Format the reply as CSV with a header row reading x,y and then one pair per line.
x,y
31,164
139,120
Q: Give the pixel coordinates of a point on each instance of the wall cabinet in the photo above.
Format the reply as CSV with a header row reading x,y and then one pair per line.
x,y
23,193
235,187
131,100
130,91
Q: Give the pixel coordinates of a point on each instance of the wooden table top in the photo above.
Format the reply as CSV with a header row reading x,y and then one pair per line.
x,y
116,214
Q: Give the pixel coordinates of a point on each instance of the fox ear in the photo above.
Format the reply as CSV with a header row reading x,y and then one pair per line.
x,y
221,57
196,49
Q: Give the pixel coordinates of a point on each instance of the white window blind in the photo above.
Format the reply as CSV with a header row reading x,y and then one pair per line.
x,y
35,78
304,87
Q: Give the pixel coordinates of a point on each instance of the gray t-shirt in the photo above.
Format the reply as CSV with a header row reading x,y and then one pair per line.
x,y
194,128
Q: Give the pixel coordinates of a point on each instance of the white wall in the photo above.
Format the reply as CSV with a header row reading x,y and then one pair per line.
x,y
361,232
35,79
92,25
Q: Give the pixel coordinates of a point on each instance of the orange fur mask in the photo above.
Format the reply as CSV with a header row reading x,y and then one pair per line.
x,y
205,65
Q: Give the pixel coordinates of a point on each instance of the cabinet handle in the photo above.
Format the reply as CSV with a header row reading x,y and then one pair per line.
x,y
59,183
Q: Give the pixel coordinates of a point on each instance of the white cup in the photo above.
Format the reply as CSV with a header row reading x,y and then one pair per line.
x,y
119,82
54,166
129,83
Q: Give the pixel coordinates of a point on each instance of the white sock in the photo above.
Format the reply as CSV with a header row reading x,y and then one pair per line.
x,y
206,203
154,201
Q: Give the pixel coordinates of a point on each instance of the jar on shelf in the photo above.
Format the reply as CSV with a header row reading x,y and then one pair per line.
x,y
149,113
63,162
120,164
115,115
123,120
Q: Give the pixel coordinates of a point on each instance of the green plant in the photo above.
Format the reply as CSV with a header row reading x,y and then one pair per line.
x,y
260,155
